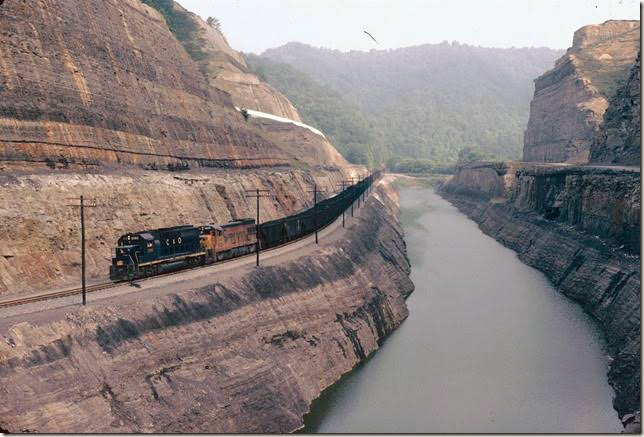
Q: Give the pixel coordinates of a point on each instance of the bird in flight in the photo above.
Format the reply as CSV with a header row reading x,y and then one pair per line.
x,y
371,36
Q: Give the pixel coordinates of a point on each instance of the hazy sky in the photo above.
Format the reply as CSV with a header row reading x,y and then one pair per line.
x,y
255,25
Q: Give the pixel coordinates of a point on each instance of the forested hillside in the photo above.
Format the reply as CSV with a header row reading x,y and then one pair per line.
x,y
425,102
351,131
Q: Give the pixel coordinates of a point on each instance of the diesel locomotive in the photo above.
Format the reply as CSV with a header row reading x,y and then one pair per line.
x,y
149,253
152,252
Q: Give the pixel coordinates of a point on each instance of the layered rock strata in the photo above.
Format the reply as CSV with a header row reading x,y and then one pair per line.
x,y
106,83
244,354
227,70
620,137
552,218
602,201
570,100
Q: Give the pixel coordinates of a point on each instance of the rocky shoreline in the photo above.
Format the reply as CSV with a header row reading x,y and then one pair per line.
x,y
245,354
601,277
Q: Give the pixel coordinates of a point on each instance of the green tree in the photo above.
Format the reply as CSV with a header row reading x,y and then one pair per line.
x,y
214,23
473,154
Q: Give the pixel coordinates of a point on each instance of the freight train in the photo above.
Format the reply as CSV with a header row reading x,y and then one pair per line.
x,y
151,252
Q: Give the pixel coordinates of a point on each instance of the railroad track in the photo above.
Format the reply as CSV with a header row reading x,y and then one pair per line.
x,y
105,285
55,294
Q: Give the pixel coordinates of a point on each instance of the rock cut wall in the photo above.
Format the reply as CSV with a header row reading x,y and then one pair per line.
x,y
247,354
225,69
101,99
605,202
40,238
106,83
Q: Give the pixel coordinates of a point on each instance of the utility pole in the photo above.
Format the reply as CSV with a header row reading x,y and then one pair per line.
x,y
351,180
364,182
342,183
315,209
257,194
82,218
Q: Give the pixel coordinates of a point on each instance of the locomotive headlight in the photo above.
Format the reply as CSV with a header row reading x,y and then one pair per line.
x,y
119,263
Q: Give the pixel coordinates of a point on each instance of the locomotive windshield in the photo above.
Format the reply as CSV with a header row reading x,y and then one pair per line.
x,y
124,250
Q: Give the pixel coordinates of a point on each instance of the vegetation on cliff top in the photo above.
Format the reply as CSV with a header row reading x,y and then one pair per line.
x,y
182,25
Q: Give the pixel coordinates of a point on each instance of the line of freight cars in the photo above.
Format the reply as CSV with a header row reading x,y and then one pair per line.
x,y
149,253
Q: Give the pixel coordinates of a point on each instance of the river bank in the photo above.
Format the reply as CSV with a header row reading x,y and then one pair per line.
x,y
489,345
581,257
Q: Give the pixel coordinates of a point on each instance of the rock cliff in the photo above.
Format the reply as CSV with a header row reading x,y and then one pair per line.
x,y
110,100
124,90
620,137
222,67
243,354
605,202
570,100
106,83
580,227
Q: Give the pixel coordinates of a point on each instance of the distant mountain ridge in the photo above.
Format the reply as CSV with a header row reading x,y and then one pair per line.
x,y
425,101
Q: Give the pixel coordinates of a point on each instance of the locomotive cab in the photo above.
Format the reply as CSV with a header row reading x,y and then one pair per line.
x,y
124,261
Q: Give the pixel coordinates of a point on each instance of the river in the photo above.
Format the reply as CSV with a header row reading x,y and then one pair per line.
x,y
489,345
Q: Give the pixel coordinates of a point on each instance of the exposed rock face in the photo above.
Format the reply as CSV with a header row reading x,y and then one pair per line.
x,y
601,201
534,218
620,137
123,90
485,179
107,83
227,70
570,100
242,355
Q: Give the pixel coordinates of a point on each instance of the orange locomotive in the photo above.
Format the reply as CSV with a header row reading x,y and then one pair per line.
x,y
233,239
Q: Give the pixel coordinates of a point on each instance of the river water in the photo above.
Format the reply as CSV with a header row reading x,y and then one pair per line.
x,y
489,345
